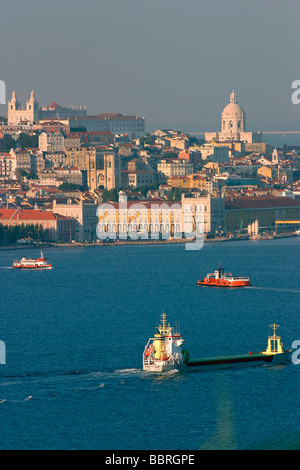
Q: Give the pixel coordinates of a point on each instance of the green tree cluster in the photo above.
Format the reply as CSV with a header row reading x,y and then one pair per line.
x,y
10,234
70,187
7,143
146,187
175,194
110,195
25,140
30,175
28,141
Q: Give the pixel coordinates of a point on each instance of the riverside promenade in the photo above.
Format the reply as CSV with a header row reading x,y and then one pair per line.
x,y
144,242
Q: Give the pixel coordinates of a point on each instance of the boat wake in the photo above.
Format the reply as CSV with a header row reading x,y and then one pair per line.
x,y
57,384
171,372
128,371
275,289
28,398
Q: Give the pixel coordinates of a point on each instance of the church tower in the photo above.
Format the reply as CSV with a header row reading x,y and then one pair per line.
x,y
16,113
112,169
275,157
13,106
32,108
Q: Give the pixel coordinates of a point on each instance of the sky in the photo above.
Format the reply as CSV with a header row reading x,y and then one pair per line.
x,y
175,62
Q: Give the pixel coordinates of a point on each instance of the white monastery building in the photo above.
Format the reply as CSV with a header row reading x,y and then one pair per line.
x,y
32,112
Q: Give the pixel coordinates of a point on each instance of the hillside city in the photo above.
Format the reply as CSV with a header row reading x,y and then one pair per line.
x,y
58,165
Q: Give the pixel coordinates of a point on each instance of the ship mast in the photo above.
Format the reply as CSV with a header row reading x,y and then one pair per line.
x,y
164,329
274,342
274,327
163,319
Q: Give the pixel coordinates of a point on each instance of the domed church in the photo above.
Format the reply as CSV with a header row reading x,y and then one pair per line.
x,y
233,125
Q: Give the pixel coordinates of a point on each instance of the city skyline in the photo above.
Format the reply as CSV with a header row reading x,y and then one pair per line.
x,y
173,63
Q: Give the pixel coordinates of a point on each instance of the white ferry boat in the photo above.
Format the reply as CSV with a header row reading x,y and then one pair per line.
x,y
29,263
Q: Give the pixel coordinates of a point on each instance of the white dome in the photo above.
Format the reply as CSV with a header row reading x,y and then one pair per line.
x,y
233,109
233,119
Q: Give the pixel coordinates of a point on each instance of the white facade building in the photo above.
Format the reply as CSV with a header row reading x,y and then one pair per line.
x,y
51,142
174,167
213,153
85,213
156,218
30,160
116,123
208,210
7,165
33,112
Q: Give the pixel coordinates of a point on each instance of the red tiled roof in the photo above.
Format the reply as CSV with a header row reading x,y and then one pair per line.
x,y
29,214
6,213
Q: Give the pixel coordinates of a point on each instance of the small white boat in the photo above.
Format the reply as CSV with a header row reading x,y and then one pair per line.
x,y
29,263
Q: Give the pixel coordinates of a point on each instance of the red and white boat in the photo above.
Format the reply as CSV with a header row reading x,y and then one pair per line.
x,y
221,279
29,263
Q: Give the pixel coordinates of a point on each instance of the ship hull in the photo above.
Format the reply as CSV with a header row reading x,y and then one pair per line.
x,y
234,284
246,360
32,267
222,362
159,368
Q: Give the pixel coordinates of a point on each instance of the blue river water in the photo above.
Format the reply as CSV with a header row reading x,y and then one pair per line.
x,y
74,339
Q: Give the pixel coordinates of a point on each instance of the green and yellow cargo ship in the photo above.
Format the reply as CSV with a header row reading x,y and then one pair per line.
x,y
165,352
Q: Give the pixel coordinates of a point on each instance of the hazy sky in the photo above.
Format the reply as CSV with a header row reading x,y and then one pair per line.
x,y
173,61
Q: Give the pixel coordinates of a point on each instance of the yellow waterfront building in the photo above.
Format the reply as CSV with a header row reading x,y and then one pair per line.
x,y
157,218
242,211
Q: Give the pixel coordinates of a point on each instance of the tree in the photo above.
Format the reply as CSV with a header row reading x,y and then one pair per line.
x,y
196,141
145,188
175,194
70,187
30,175
113,195
28,141
10,234
110,195
7,143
